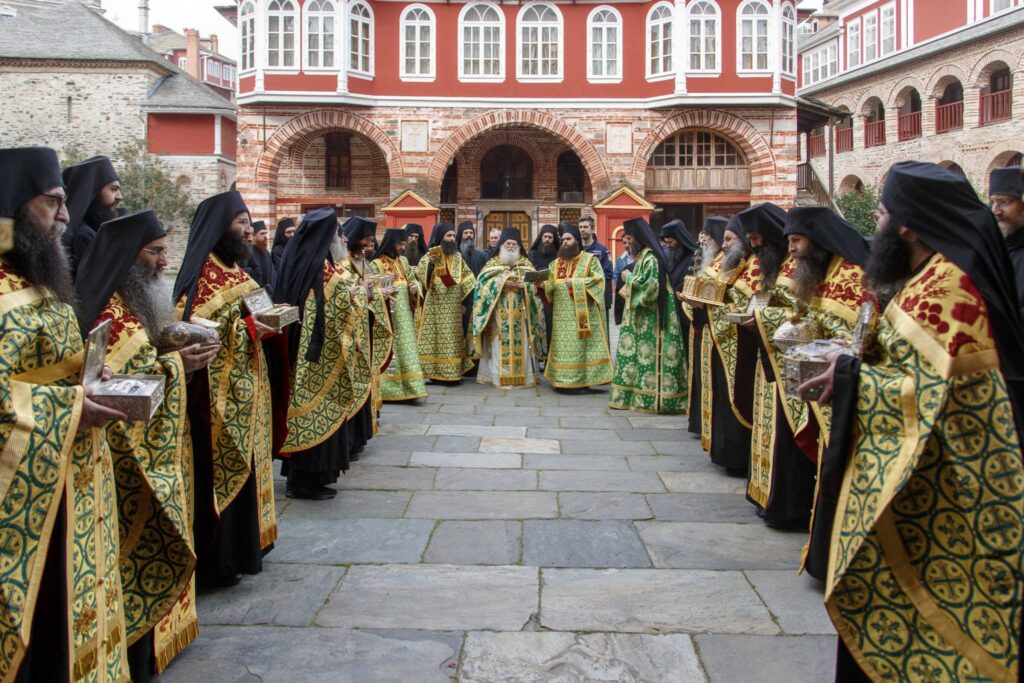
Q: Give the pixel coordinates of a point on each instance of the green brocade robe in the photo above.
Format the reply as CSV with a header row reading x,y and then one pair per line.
x,y
579,355
403,378
440,339
650,361
516,316
42,462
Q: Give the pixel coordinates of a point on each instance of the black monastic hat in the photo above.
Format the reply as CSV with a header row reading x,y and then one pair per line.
x,y
26,172
829,231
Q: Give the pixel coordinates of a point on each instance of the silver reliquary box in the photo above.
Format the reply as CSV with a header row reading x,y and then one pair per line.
x,y
259,304
758,301
807,361
179,335
137,396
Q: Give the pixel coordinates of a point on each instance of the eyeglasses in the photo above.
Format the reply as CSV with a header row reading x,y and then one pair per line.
x,y
61,200
1002,202
156,251
878,214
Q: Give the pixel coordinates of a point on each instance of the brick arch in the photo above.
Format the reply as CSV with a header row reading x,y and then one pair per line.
x,y
862,105
982,68
941,76
304,128
1002,159
539,120
759,155
478,151
900,86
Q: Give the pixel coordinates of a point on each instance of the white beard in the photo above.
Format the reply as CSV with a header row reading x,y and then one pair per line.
x,y
339,251
708,252
510,257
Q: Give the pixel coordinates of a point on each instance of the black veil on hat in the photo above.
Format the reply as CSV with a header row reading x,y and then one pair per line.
x,y
512,234
357,228
676,229
547,227
302,270
417,230
943,210
829,231
575,232
715,226
464,225
83,182
390,238
1008,181
258,226
562,228
26,172
439,231
766,219
279,237
209,224
641,232
105,265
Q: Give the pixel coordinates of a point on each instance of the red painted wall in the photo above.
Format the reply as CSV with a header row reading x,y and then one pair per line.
x,y
181,133
928,23
228,138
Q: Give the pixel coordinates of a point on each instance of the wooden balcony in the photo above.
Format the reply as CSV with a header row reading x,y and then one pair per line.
x,y
816,145
909,125
949,117
874,133
844,139
996,106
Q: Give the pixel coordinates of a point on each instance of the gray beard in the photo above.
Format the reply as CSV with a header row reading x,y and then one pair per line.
x,y
509,258
708,252
148,297
339,251
734,256
466,247
412,250
808,274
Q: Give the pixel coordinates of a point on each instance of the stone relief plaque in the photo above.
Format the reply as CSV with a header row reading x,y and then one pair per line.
x,y
414,136
619,138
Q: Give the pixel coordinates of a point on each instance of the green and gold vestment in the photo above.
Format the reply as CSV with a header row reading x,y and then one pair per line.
x,y
403,378
440,340
579,355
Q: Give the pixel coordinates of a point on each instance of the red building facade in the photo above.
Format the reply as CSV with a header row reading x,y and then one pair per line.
x,y
519,114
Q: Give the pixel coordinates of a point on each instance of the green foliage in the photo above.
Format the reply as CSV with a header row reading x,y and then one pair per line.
x,y
146,181
857,205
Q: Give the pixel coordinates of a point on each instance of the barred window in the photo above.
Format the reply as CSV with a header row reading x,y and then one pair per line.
x,y
697,148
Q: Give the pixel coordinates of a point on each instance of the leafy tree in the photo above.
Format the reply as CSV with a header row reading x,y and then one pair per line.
x,y
857,205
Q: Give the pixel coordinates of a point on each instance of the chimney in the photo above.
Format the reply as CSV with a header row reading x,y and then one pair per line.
x,y
143,16
214,43
192,52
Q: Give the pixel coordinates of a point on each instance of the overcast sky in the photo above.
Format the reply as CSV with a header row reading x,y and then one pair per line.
x,y
179,15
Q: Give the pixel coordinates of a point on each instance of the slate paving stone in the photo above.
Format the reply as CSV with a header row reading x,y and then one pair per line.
x,y
637,601
480,460
320,655
483,505
406,444
458,444
592,422
386,478
473,430
569,434
577,543
456,479
794,659
385,457
574,462
702,507
607,447
280,595
458,418
703,482
670,463
496,444
546,657
525,421
434,597
351,541
715,545
492,409
601,505
798,603
679,447
468,543
651,434
348,504
400,429
658,421
638,482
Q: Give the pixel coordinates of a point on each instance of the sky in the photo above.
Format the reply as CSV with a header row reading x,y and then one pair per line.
x,y
178,15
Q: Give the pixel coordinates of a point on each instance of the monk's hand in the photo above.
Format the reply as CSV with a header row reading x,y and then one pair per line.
x,y
414,288
263,329
106,373
823,380
96,416
197,357
750,322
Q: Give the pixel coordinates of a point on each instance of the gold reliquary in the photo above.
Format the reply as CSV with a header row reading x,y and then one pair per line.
x,y
705,290
261,307
137,396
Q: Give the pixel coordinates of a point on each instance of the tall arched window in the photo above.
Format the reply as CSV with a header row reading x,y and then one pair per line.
x,y
506,172
417,58
571,177
659,40
319,34
704,40
753,35
481,49
360,38
281,33
540,43
604,45
247,27
788,40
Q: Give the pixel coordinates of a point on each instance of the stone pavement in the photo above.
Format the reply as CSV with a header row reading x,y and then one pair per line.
x,y
494,535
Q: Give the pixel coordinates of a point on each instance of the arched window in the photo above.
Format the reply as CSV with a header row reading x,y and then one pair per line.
x,y
481,49
247,27
540,43
753,35
604,45
788,40
570,177
659,40
506,172
319,34
281,33
417,58
450,184
361,39
696,149
704,42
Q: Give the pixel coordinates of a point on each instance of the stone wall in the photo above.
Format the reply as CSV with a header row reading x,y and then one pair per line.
x,y
200,177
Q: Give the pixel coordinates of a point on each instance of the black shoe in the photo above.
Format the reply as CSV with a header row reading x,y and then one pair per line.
x,y
322,493
223,581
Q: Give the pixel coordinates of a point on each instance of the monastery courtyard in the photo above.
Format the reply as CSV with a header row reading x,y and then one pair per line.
x,y
494,535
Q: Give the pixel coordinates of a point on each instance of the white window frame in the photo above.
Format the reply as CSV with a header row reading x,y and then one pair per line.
x,y
558,25
500,25
891,10
283,14
870,28
787,34
740,20
992,9
431,23
668,72
183,63
320,15
247,33
716,18
353,69
617,25
852,30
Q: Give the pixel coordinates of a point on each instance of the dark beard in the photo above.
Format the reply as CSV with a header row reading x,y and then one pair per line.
x,y
734,256
232,250
770,258
569,251
97,214
888,264
809,273
147,297
549,251
674,257
40,258
449,248
412,251
635,248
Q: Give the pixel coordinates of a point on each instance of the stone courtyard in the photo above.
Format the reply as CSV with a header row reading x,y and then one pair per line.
x,y
526,535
